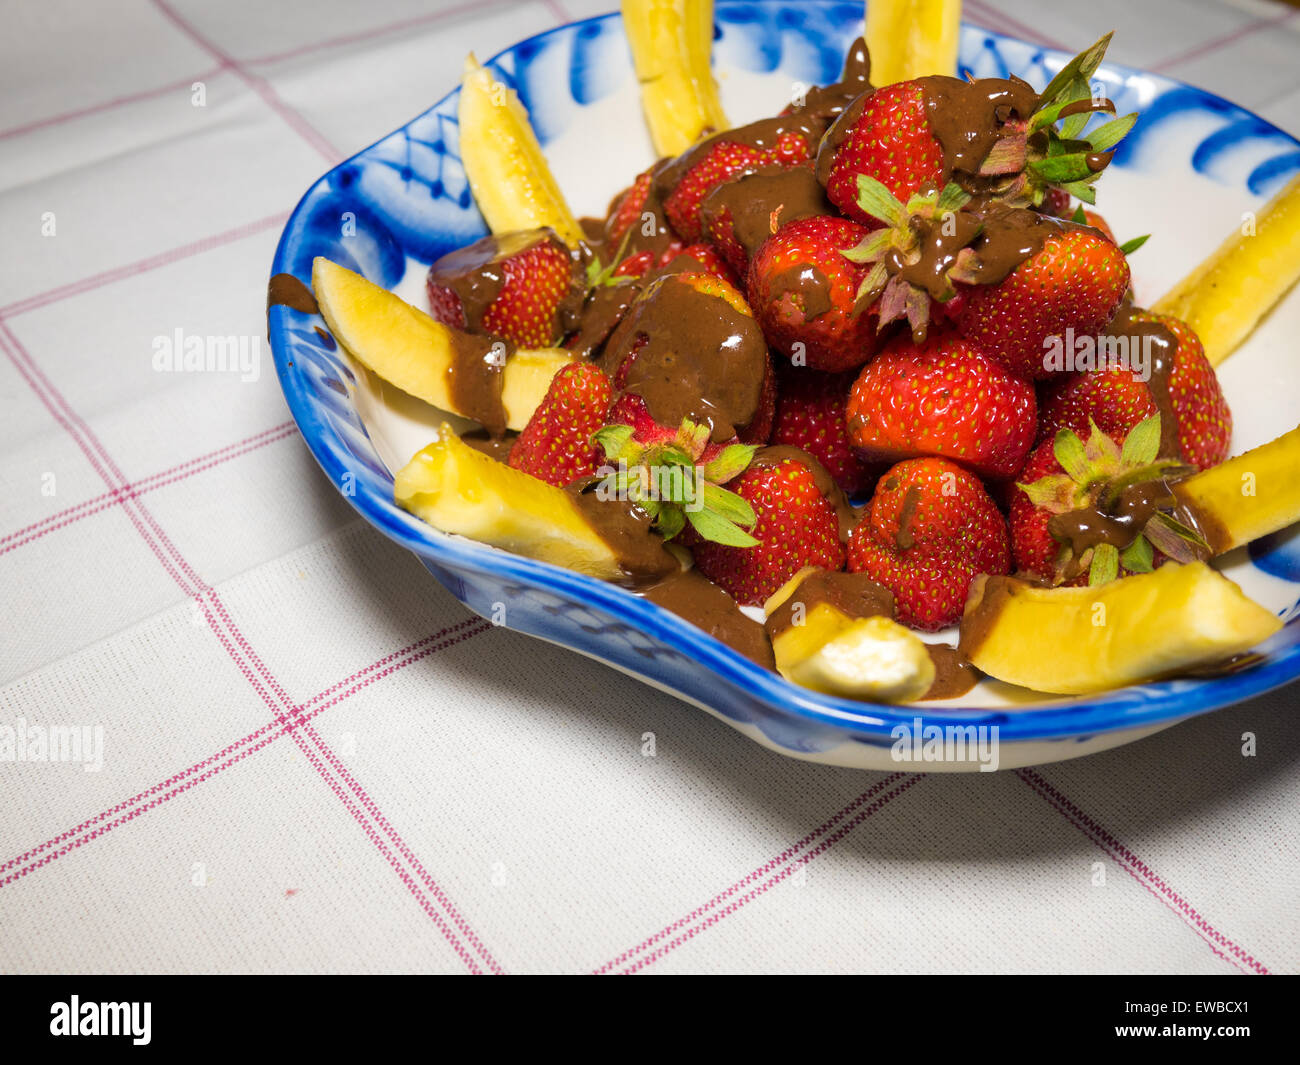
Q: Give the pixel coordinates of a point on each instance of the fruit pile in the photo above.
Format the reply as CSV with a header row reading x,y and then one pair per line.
x,y
867,295
878,350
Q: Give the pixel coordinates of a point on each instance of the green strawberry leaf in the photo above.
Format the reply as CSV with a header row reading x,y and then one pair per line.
x,y
672,520
616,441
1070,453
718,529
1142,444
878,201
1109,134
1130,246
952,198
1055,493
1080,68
1137,557
1082,190
730,463
1064,168
871,248
1105,565
729,505
1079,217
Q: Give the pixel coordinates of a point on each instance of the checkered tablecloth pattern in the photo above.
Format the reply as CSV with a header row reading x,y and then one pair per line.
x,y
313,757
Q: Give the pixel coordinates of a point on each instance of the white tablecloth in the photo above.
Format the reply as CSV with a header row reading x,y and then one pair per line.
x,y
313,757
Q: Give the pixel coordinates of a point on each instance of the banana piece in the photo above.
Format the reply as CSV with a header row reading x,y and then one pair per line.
x,y
460,490
671,42
1228,293
508,174
912,38
1248,496
1077,640
831,651
412,351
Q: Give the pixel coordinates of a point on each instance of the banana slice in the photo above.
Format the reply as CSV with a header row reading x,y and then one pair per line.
x,y
1248,496
460,490
1077,640
1227,294
827,645
415,353
510,178
672,41
912,38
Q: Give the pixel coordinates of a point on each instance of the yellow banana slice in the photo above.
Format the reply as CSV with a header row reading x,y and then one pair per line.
x,y
672,42
1224,298
1077,640
912,38
415,353
1248,496
508,174
460,490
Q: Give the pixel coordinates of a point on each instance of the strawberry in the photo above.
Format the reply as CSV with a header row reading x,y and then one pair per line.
x,y
929,531
889,139
738,215
803,291
943,397
627,207
706,258
759,429
524,287
686,182
1087,513
794,526
556,444
1070,287
810,414
1116,399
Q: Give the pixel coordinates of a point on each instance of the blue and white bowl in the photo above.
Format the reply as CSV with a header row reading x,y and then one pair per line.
x,y
1188,173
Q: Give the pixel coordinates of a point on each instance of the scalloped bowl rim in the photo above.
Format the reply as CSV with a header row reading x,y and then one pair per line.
x,y
1057,719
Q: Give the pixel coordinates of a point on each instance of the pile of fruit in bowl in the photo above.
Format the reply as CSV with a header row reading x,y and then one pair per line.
x,y
847,377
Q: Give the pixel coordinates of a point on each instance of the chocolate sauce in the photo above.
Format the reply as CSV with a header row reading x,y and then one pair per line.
x,y
775,454
1145,335
1085,528
802,287
474,378
854,595
606,306
987,598
1008,236
758,204
905,537
967,119
285,290
692,596
953,674
696,357
496,447
625,529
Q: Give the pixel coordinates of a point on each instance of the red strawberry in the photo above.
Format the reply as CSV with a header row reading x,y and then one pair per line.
x,y
942,397
688,180
796,526
810,414
929,530
524,287
804,291
759,429
1071,286
1116,399
556,444
888,137
627,207
740,214
630,409
1033,548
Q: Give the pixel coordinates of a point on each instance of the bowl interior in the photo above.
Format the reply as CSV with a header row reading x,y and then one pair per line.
x,y
1193,169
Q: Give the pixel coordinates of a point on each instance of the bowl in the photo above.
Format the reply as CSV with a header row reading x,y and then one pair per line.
x,y
1192,169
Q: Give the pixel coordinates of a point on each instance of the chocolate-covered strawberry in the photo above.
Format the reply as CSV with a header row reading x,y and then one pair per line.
x,y
804,291
524,287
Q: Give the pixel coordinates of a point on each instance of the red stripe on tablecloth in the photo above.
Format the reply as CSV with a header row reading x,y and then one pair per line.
x,y
1140,871
143,266
997,19
376,31
762,870
151,483
259,85
1227,38
785,871
190,583
324,700
108,105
